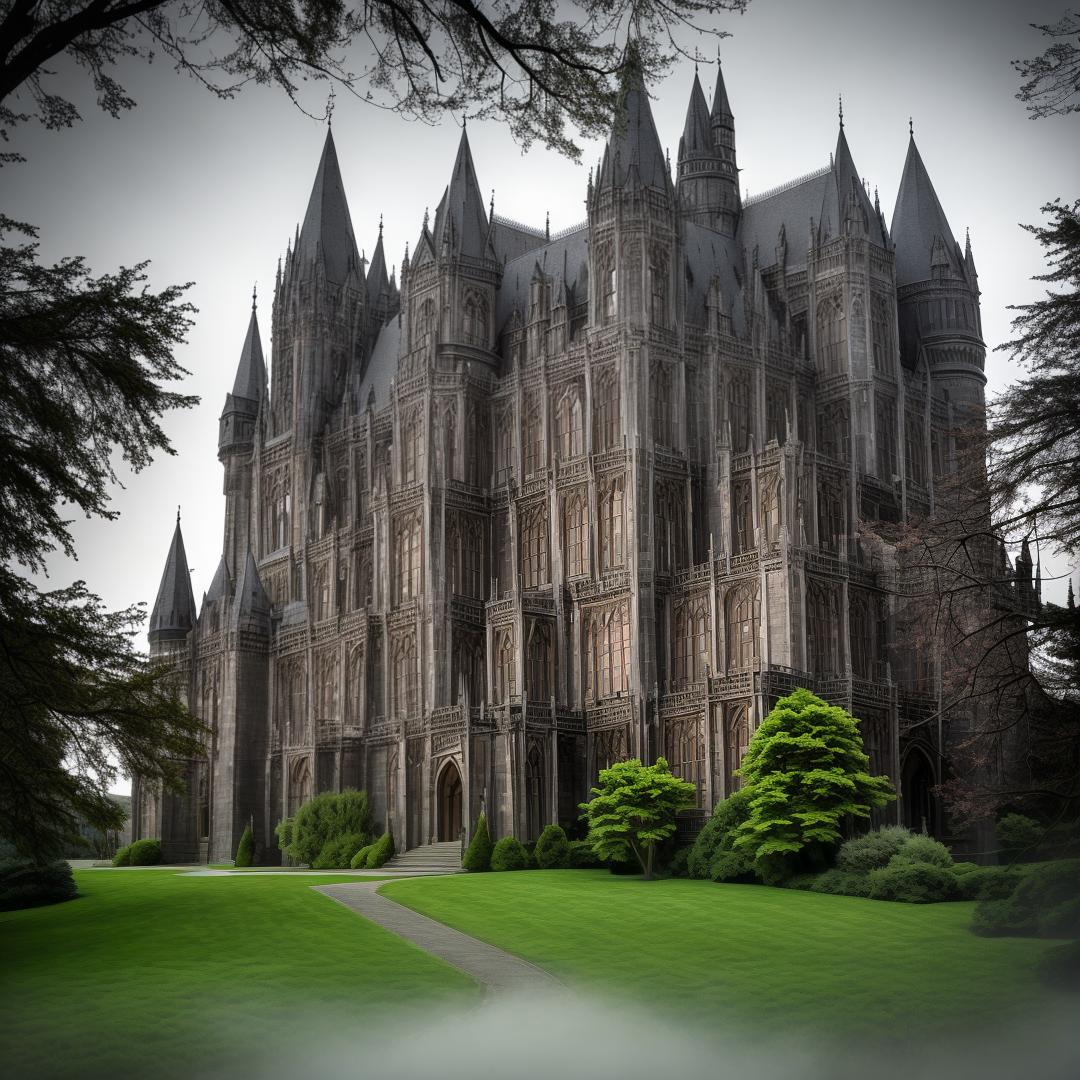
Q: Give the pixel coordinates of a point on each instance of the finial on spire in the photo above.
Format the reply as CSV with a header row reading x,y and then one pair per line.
x,y
547,226
380,226
491,205
911,127
425,218
330,107
840,99
177,513
254,295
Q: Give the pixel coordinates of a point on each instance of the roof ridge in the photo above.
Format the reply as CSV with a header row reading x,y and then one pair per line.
x,y
824,170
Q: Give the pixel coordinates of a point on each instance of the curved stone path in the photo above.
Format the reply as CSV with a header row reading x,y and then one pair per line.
x,y
494,969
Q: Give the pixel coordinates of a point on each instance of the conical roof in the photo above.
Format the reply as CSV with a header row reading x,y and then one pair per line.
x,y
219,586
697,131
634,150
846,184
721,108
250,379
173,615
918,221
377,281
327,232
461,222
251,601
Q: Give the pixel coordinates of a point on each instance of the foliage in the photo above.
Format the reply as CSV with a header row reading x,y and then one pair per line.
x,y
283,830
961,868
987,882
1032,910
1019,836
912,883
872,850
509,854
381,852
552,851
327,817
731,866
478,854
245,850
634,808
25,883
1053,78
338,851
580,856
842,883
718,832
806,772
359,860
526,63
923,849
677,866
122,856
145,853
1060,967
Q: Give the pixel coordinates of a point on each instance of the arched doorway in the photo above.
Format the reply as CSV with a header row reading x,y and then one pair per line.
x,y
448,794
917,787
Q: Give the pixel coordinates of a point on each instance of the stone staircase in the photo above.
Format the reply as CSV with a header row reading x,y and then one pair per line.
x,y
428,859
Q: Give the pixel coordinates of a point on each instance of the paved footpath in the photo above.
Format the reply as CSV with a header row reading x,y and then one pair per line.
x,y
494,969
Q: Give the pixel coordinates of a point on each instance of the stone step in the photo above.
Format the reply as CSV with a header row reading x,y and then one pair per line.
x,y
442,858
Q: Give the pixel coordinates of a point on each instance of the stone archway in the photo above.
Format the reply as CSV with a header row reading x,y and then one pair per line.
x,y
448,801
917,787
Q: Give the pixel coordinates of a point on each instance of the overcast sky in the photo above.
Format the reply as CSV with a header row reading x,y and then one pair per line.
x,y
211,191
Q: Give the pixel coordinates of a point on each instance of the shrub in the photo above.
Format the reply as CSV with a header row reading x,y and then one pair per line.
x,y
328,817
842,883
552,850
913,883
987,883
508,854
1061,921
122,856
1039,892
145,853
873,850
338,852
923,849
477,856
24,883
801,882
359,860
580,856
961,868
381,852
283,830
1019,837
677,866
1060,966
245,850
718,832
731,866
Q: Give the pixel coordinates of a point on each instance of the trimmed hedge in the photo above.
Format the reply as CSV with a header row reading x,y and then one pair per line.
x,y
24,883
986,882
509,854
923,849
245,850
913,883
552,851
381,852
326,817
145,853
842,883
477,857
122,856
359,860
337,853
872,850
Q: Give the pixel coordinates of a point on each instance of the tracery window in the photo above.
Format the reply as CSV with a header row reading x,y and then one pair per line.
x,y
831,339
611,525
576,530
538,672
823,629
770,510
343,491
776,405
280,512
736,740
609,649
834,430
476,448
742,621
609,309
466,551
863,633
475,319
607,423
468,671
569,424
915,449
320,588
407,556
658,275
743,517
504,447
684,746
505,673
691,642
405,675
831,517
532,436
669,525
412,448
879,335
425,323
740,413
534,560
885,423
449,432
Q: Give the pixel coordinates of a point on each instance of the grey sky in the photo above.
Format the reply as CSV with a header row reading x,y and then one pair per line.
x,y
211,192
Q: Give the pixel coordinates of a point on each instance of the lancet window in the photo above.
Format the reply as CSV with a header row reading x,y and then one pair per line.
x,y
692,641
611,525
569,423
607,423
534,549
405,675
576,530
831,338
538,672
407,556
608,645
742,619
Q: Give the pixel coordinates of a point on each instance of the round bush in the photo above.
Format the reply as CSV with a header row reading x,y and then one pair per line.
x,y
582,856
913,883
987,883
509,854
871,851
552,850
924,849
731,866
381,852
718,832
337,853
245,850
961,868
842,883
477,856
145,853
24,883
1040,891
122,856
325,818
359,860
1019,837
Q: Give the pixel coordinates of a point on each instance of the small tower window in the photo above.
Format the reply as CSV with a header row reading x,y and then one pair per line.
x,y
610,308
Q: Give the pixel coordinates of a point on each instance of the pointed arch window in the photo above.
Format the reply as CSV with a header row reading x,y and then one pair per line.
x,y
669,524
662,404
742,619
505,673
607,422
412,448
475,320
692,642
569,423
743,515
407,557
831,338
534,560
770,511
915,449
822,629
885,422
834,431
476,448
740,415
425,323
831,517
538,672
576,528
609,279
612,525
862,630
504,448
405,676
880,336
658,277
532,435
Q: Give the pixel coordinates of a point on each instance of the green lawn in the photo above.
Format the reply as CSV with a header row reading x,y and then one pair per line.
x,y
151,973
791,961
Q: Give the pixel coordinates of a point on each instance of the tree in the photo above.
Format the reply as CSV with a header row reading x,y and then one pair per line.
x,y
1053,78
804,772
477,857
634,809
245,850
514,60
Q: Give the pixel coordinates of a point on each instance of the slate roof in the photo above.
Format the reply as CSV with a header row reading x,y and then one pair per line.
x,y
566,258
381,367
250,379
633,152
720,105
327,231
251,601
174,609
697,131
790,207
219,586
377,280
710,255
460,219
918,220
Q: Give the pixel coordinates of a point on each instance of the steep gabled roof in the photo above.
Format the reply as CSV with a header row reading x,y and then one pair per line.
x,y
250,381
838,195
461,222
251,602
633,152
327,232
174,609
377,281
919,224
219,586
697,131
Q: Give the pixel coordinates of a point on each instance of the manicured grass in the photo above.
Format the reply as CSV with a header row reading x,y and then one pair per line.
x,y
793,962
151,973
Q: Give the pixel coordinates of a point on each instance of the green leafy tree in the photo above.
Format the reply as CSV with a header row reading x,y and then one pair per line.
x,y
477,857
805,771
245,850
633,809
328,818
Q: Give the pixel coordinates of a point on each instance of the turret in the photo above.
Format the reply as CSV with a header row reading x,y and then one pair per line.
x,y
173,615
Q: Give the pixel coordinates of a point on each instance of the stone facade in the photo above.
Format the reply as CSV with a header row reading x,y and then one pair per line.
x,y
562,500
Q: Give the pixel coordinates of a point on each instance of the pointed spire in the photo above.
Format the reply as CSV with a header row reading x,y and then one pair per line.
x,y
327,232
377,281
633,152
919,226
697,131
461,222
250,378
721,108
251,604
173,615
219,586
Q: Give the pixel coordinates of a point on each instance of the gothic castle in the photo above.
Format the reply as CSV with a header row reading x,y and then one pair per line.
x,y
563,499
